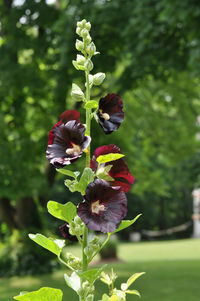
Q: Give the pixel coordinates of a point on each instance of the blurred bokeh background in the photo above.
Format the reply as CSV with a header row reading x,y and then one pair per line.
x,y
150,52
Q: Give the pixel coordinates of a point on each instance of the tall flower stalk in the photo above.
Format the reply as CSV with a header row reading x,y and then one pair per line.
x,y
103,184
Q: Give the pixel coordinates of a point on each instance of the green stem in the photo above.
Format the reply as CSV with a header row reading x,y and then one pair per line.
x,y
88,121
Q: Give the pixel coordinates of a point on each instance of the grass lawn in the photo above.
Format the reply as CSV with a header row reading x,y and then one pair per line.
x,y
172,273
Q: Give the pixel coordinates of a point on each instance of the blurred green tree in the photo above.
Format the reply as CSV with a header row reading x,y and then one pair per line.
x,y
149,46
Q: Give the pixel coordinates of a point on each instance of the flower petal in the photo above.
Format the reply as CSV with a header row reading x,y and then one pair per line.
x,y
119,171
104,207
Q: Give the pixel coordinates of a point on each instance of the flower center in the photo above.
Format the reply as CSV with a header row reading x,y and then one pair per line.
x,y
75,150
97,208
105,116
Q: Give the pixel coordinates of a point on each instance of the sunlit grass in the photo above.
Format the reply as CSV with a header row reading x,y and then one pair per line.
x,y
172,272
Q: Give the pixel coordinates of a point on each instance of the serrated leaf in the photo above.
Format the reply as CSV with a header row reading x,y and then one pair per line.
x,y
73,281
43,294
54,246
68,172
133,278
92,104
65,212
133,292
109,157
92,275
125,224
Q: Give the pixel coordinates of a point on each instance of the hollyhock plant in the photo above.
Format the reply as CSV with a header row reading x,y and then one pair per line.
x,y
110,113
103,183
104,207
68,143
119,171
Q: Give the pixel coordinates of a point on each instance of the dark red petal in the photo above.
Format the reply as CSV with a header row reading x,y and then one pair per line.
x,y
119,171
51,134
70,115
114,202
112,105
65,136
64,229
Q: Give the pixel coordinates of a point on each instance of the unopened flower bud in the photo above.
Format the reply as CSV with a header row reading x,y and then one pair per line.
x,y
79,24
79,45
89,65
78,31
78,220
84,33
90,298
88,251
80,59
91,49
88,39
77,94
83,22
99,78
88,25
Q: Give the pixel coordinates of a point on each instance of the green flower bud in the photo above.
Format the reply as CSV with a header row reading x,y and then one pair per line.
x,y
84,33
79,24
88,251
99,78
89,65
77,94
91,49
78,220
83,22
80,59
78,31
90,298
79,45
88,39
88,26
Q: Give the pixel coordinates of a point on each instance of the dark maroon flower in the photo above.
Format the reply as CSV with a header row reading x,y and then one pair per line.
x,y
104,206
64,118
110,113
64,229
119,171
68,143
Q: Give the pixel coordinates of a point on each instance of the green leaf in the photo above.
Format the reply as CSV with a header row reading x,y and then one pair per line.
x,y
102,173
43,294
65,212
54,246
133,292
133,278
92,104
73,281
105,298
68,172
86,178
71,184
92,275
109,157
125,224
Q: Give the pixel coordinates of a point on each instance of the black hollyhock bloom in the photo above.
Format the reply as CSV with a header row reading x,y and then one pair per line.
x,y
110,113
119,171
68,143
64,118
104,206
64,229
